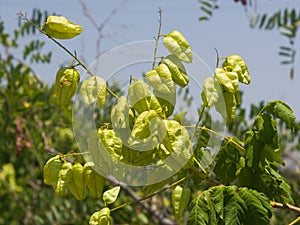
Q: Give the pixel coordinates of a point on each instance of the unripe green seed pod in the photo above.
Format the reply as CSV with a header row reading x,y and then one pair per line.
x,y
93,180
61,28
66,83
51,170
77,184
63,178
101,217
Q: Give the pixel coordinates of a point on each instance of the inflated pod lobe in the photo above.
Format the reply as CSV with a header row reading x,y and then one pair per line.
x,y
51,170
101,217
61,28
77,184
66,83
63,178
94,181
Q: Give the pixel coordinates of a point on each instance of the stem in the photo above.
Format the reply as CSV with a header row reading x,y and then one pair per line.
x,y
198,122
66,50
285,206
295,221
229,139
156,193
218,59
157,38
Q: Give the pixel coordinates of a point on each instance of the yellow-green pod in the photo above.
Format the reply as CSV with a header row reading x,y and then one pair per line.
x,y
180,199
101,217
51,170
177,70
63,178
66,83
77,184
94,181
176,43
61,28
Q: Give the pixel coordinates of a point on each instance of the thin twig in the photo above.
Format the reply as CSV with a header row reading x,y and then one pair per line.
x,y
157,38
101,26
285,206
153,213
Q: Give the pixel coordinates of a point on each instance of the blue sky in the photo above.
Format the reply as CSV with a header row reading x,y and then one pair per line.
x,y
228,31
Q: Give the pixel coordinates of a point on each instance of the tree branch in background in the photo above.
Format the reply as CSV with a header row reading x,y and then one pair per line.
x,y
100,27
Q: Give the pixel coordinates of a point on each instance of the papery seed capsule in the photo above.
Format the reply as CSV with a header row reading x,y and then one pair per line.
x,y
51,170
61,28
66,83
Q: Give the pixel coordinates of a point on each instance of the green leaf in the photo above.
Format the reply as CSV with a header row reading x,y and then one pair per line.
x,y
178,45
209,93
110,196
92,89
283,111
259,209
267,128
230,205
228,160
200,210
234,207
235,63
278,188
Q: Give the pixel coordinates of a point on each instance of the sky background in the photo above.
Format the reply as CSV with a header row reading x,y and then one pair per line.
x,y
228,31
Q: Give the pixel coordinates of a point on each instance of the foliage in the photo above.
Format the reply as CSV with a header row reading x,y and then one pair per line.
x,y
287,22
230,180
250,165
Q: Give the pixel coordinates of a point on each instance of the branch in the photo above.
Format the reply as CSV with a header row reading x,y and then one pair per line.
x,y
100,27
153,213
157,38
285,206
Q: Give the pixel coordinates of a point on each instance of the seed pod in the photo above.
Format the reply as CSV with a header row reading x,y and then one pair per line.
x,y
51,170
63,178
92,89
178,45
142,98
93,180
61,28
77,184
227,80
111,195
161,79
180,199
101,217
177,70
235,63
66,83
